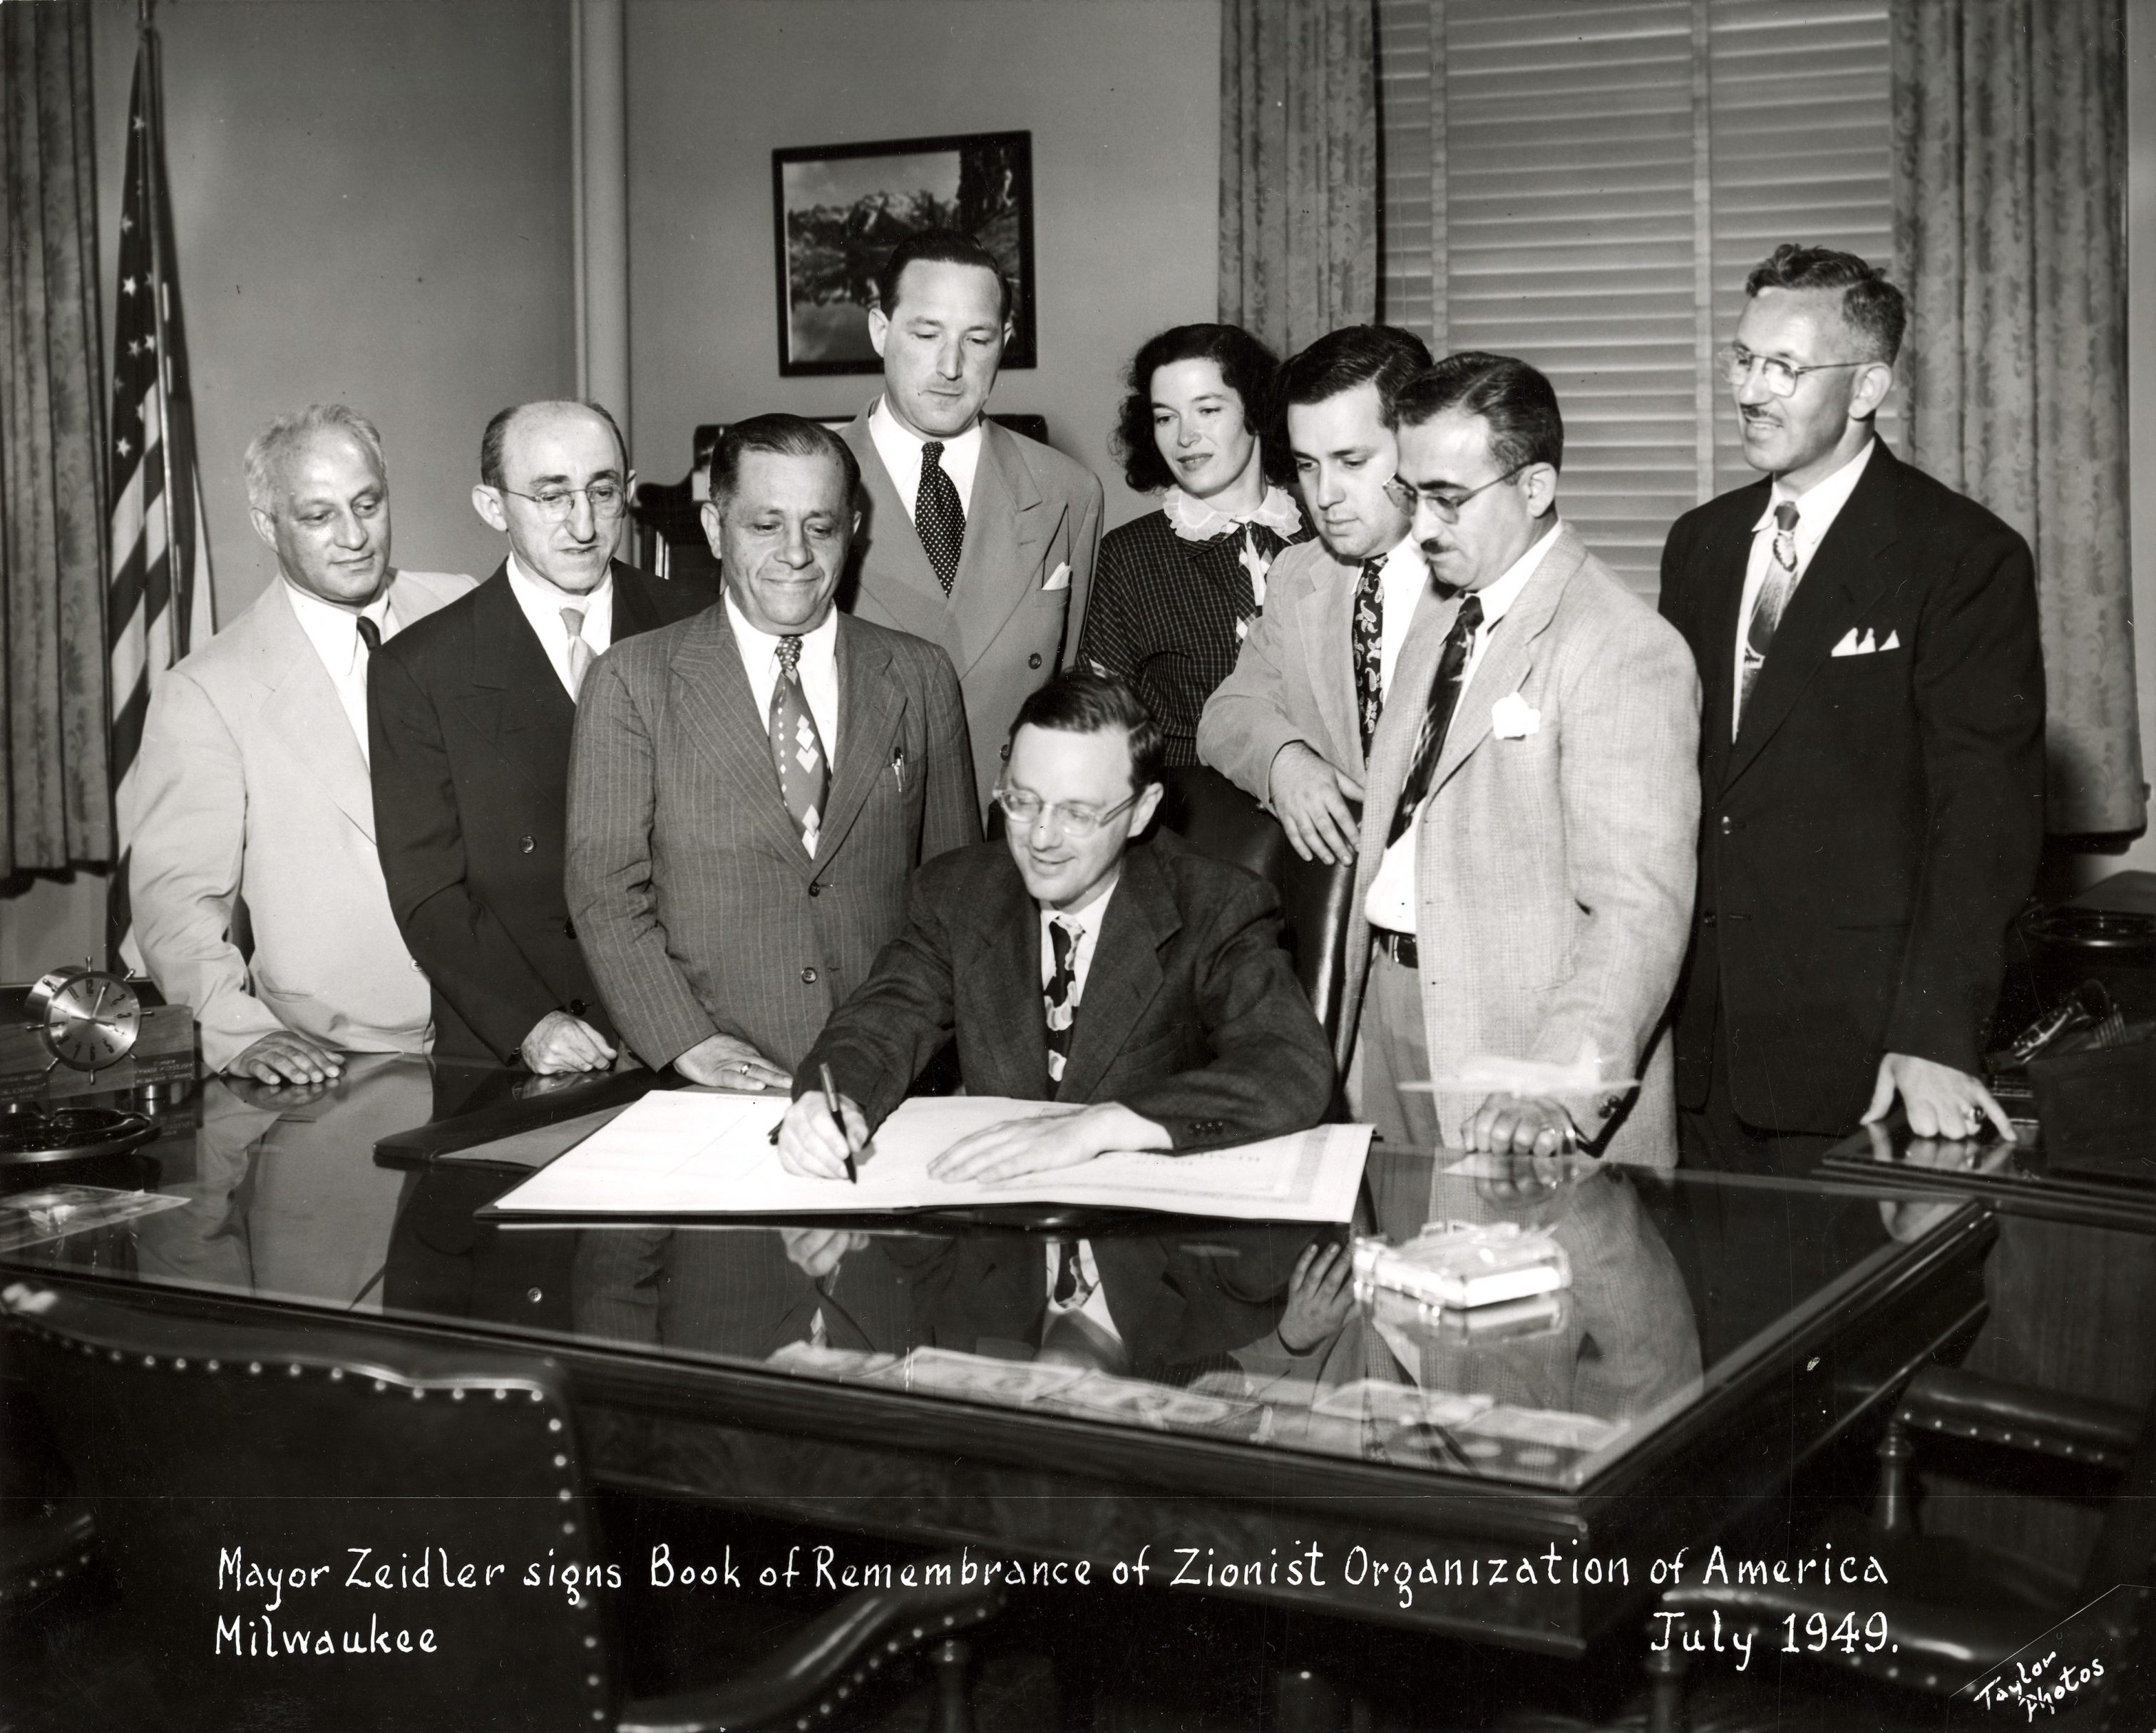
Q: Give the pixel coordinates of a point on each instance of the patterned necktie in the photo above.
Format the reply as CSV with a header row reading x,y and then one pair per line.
x,y
797,749
938,516
1366,636
1060,994
370,634
1774,596
580,653
1437,715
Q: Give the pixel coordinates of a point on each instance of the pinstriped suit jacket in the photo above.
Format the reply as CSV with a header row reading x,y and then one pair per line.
x,y
698,910
1554,868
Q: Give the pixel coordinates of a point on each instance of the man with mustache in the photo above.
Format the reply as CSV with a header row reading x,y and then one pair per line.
x,y
1292,725
1872,752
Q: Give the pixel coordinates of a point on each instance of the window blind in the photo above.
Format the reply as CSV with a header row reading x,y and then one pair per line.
x,y
1585,185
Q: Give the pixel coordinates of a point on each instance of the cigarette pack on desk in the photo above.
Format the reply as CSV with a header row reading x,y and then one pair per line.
x,y
1463,1265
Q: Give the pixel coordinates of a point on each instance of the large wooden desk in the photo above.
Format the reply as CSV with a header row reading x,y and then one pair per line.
x,y
1698,1374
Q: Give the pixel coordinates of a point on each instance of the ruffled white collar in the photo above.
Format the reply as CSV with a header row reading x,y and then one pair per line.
x,y
1195,520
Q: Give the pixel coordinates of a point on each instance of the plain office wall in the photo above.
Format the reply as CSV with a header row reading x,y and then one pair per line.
x,y
372,202
1122,98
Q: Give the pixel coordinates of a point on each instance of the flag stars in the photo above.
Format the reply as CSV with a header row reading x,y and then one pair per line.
x,y
127,285
126,223
135,347
127,446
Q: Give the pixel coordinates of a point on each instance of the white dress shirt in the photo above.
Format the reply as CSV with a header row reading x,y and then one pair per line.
x,y
1817,508
900,448
334,631
1391,901
542,605
819,670
1086,918
1400,585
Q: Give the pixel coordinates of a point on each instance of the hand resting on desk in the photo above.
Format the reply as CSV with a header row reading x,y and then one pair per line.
x,y
1034,1146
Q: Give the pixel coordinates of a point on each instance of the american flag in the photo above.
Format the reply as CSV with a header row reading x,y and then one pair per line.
x,y
159,604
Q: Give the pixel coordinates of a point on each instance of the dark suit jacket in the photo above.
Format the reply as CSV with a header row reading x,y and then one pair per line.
x,y
470,728
698,909
1019,598
1874,827
1191,1015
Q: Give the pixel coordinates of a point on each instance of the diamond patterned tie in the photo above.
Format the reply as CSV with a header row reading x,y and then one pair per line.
x,y
1437,715
797,749
580,653
1366,637
1774,596
1060,994
370,634
938,516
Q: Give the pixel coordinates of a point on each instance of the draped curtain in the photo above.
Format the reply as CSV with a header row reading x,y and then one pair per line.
x,y
1298,168
2009,179
52,436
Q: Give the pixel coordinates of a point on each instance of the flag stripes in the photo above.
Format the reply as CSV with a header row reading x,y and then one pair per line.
x,y
158,600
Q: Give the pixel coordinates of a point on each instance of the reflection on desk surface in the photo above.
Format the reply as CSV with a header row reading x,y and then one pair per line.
x,y
1225,1331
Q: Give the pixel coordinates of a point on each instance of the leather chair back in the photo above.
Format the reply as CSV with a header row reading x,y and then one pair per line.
x,y
1215,817
446,1479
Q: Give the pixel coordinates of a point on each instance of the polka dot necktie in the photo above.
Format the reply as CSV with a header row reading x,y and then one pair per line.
x,y
1366,636
580,653
1774,596
938,516
1060,994
797,749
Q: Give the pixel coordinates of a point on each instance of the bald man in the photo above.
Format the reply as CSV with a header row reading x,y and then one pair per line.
x,y
470,723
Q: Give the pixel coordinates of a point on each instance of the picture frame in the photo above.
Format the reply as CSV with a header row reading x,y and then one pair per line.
x,y
839,210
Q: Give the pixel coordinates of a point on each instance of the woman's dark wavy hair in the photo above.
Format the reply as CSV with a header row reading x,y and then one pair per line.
x,y
1250,370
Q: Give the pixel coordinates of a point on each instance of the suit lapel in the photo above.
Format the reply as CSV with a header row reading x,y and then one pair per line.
x,y
1006,528
1328,620
905,584
1002,982
1510,654
1723,559
516,698
711,690
634,611
1125,973
870,703
1843,582
307,717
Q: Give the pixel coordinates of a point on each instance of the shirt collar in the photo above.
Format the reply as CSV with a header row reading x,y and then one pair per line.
x,y
1408,549
535,592
820,639
1501,595
883,421
333,631
1086,916
1820,503
1195,519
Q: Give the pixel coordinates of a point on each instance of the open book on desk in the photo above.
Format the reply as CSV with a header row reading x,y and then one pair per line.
x,y
694,1153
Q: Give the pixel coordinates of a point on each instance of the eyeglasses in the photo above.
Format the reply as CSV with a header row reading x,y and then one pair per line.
x,y
1780,378
1025,810
558,503
1447,506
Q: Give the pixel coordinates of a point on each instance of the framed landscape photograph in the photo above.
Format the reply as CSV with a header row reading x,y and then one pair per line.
x,y
840,209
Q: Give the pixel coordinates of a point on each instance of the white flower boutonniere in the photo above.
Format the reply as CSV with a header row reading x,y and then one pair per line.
x,y
1511,717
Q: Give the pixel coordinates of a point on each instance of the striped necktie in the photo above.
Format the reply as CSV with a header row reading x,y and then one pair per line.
x,y
1774,596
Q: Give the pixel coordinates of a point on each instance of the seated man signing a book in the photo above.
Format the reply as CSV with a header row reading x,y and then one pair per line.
x,y
1140,982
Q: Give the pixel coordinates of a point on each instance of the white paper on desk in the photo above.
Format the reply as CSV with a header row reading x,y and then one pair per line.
x,y
673,1153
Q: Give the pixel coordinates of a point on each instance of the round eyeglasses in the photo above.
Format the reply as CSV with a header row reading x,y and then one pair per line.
x,y
606,499
1780,377
1447,506
1026,810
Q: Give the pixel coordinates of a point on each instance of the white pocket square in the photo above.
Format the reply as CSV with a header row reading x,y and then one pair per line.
x,y
1868,644
1511,717
1060,578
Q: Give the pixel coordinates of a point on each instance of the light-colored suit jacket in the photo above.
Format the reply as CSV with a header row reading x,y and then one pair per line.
x,y
250,785
1555,852
698,908
1295,679
1013,615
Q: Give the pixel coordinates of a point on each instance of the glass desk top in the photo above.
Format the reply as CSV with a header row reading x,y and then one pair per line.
x,y
1680,1284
